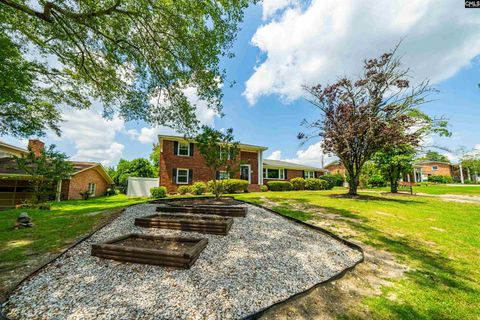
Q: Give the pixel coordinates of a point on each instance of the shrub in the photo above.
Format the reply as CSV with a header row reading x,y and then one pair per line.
x,y
375,181
184,189
333,180
279,186
263,188
158,192
198,188
110,192
298,183
440,179
235,185
316,184
220,186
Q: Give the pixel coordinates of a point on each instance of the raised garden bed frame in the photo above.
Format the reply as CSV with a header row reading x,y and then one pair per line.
x,y
226,211
162,257
187,222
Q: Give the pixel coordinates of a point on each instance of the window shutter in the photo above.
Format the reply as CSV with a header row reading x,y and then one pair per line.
x,y
190,175
303,174
217,175
285,174
174,175
191,149
315,174
175,148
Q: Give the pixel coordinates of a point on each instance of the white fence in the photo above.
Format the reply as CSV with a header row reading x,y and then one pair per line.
x,y
140,187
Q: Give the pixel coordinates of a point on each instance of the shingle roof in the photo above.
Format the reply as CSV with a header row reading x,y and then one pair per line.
x,y
8,165
289,165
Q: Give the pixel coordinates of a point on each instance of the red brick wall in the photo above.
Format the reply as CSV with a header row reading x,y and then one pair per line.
x,y
201,172
292,173
443,169
79,183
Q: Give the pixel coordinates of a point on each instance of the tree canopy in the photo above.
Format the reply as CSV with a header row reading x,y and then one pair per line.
x,y
134,168
137,57
44,171
361,117
434,156
219,150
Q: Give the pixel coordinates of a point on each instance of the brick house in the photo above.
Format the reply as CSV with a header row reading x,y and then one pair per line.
x,y
182,164
423,169
14,184
336,167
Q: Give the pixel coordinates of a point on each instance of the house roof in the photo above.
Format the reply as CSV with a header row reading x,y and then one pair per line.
x,y
430,162
289,165
9,146
8,168
333,163
241,145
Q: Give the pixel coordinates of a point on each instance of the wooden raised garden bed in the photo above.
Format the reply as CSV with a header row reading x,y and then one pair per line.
x,y
227,211
187,222
179,252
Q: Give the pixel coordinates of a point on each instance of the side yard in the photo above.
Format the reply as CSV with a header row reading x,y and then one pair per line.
x,y
24,249
422,255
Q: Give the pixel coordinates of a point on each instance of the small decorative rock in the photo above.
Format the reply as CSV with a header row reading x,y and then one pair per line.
x,y
23,221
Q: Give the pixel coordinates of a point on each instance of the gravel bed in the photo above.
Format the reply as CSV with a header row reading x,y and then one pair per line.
x,y
263,260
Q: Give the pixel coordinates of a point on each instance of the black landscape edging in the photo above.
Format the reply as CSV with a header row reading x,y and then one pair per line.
x,y
339,275
56,257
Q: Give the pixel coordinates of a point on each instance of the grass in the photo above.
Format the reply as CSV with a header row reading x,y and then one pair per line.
x,y
472,190
53,230
439,240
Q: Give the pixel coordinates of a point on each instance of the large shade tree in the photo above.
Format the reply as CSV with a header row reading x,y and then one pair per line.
x,y
361,117
135,56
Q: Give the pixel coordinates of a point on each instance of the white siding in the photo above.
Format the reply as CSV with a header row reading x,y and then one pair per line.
x,y
140,187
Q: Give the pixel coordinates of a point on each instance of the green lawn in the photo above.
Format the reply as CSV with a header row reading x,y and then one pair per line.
x,y
472,190
439,240
53,230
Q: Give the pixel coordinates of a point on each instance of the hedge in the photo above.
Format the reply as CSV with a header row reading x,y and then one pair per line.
x,y
440,179
158,192
298,183
198,188
183,189
316,184
279,186
230,185
334,180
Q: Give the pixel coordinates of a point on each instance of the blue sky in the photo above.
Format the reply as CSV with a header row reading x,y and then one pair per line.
x,y
284,44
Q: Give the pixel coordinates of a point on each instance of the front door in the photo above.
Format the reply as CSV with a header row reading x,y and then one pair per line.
x,y
245,172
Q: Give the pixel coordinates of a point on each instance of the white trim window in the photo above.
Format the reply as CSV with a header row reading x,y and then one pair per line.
x,y
182,176
434,168
273,174
309,174
223,175
92,189
183,149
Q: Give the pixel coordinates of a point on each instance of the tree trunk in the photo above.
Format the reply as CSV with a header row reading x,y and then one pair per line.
x,y
353,185
393,186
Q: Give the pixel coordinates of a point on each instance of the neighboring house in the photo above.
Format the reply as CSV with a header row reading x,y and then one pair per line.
x,y
182,164
423,169
282,170
14,184
336,167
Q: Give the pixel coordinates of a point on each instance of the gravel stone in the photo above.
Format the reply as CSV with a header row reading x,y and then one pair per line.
x,y
263,260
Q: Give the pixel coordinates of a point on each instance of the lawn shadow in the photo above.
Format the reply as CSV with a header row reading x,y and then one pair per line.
x,y
363,197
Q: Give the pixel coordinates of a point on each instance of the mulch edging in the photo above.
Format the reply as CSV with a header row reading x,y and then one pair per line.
x,y
56,257
339,275
249,317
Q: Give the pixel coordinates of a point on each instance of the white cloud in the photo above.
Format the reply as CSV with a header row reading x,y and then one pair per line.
x,y
313,155
328,39
276,155
271,7
205,115
92,135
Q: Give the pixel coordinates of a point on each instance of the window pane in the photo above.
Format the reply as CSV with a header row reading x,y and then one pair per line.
x,y
264,173
182,176
273,173
224,175
183,149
